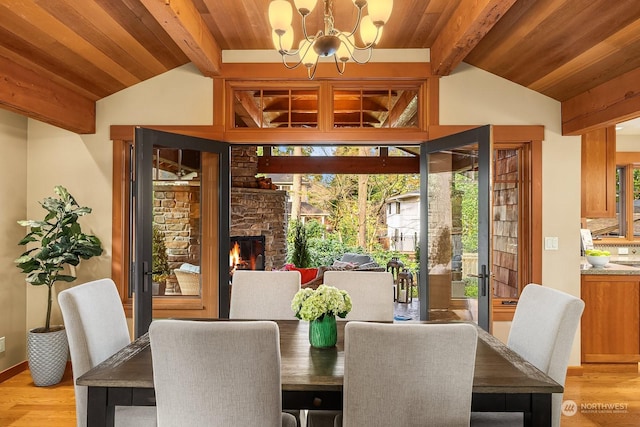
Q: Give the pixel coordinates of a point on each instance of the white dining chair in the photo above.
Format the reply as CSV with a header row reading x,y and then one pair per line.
x,y
96,328
371,293
263,295
542,332
430,384
217,374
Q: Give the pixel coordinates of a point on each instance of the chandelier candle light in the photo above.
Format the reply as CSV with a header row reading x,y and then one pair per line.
x,y
330,41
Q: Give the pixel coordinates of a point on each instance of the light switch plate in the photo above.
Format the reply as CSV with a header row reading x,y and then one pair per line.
x,y
623,251
2,344
550,243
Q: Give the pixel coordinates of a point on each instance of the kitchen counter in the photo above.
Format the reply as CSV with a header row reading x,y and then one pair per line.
x,y
609,269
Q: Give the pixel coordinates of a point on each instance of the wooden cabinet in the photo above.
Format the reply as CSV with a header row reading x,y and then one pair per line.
x,y
610,327
599,173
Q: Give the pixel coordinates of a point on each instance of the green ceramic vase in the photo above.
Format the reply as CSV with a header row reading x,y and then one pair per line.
x,y
323,333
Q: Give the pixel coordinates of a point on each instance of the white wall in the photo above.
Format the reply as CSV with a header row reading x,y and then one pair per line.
x,y
472,96
83,163
13,288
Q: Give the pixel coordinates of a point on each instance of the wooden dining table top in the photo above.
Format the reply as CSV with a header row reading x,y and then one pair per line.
x,y
498,369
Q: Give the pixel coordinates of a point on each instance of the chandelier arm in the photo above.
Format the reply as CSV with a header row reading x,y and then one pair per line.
x,y
357,25
338,67
314,67
369,53
288,66
305,34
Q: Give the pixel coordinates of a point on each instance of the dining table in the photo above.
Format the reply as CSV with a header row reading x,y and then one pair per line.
x,y
312,378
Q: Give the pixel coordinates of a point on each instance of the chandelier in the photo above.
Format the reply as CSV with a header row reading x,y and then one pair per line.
x,y
330,41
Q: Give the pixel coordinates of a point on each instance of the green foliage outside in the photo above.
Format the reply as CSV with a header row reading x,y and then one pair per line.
x,y
325,248
160,257
468,188
299,254
471,287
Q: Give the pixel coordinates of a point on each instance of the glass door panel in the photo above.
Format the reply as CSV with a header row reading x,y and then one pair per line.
x,y
180,227
455,226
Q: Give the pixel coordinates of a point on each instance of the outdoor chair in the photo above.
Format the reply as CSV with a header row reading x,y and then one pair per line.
x,y
217,374
96,328
188,281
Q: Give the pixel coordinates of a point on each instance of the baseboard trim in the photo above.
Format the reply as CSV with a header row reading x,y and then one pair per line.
x,y
575,371
13,371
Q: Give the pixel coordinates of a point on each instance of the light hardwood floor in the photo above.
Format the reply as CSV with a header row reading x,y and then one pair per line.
x,y
24,405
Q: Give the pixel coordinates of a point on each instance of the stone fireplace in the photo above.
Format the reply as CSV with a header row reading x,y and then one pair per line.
x,y
257,211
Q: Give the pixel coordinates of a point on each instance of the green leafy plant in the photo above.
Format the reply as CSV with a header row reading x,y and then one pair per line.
x,y
160,257
309,304
300,256
60,242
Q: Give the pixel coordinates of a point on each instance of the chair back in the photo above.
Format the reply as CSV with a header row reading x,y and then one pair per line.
x,y
403,374
216,373
371,293
188,281
263,295
96,328
544,326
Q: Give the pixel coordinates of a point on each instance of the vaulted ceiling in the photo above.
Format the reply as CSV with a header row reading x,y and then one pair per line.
x,y
58,57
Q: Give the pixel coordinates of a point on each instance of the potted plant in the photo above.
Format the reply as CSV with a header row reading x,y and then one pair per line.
x,y
60,242
320,307
160,262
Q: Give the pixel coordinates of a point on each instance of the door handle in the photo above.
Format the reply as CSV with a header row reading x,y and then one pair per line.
x,y
483,276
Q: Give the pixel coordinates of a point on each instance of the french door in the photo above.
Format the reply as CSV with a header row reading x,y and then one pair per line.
x,y
455,224
179,221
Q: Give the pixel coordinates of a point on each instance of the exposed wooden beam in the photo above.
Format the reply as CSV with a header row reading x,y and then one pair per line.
x,y
182,21
471,21
246,108
31,94
339,164
605,105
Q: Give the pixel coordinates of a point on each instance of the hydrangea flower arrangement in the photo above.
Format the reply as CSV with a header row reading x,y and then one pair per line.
x,y
309,304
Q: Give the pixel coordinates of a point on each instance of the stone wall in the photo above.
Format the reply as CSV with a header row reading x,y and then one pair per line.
x,y
256,212
176,213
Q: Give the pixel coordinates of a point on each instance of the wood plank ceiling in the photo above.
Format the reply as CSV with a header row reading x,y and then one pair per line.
x,y
58,57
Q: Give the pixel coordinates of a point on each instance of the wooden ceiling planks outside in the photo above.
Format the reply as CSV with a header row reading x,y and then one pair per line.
x,y
566,49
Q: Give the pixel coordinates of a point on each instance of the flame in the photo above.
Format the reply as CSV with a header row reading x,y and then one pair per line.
x,y
234,256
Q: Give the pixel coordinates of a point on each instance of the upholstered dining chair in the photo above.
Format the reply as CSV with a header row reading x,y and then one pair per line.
x,y
542,332
371,293
210,374
431,385
263,295
96,328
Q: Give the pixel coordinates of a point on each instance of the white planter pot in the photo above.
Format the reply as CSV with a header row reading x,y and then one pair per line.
x,y
48,353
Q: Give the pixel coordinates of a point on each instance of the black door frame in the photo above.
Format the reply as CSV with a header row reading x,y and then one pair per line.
x,y
142,188
482,137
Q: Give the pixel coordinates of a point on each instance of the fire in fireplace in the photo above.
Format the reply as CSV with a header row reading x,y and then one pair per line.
x,y
247,253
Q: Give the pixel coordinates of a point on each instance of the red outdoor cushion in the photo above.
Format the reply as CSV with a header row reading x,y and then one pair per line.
x,y
307,274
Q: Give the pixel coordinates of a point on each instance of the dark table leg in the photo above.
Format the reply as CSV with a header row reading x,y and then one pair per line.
x,y
540,410
99,413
